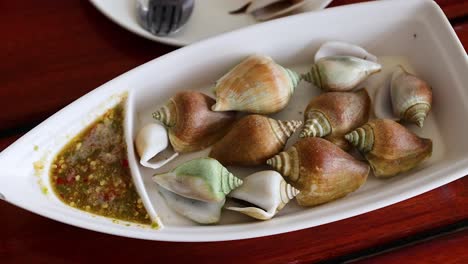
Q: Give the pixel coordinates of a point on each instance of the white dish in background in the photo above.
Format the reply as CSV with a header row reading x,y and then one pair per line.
x,y
209,18
415,29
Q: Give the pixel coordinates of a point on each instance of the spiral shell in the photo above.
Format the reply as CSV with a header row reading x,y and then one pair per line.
x,y
192,125
340,48
150,142
267,191
411,97
389,147
320,170
335,114
256,85
252,140
202,179
267,9
340,73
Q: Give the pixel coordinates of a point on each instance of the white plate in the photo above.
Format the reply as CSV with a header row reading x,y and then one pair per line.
x,y
415,29
209,18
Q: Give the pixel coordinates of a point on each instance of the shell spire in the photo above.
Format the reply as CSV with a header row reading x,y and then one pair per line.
x,y
286,128
362,138
167,114
284,162
317,125
287,192
229,182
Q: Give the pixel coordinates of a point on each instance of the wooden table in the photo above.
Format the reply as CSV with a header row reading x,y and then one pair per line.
x,y
52,52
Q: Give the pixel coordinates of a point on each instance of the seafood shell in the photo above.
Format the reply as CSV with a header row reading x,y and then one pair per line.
x,y
389,147
192,125
320,170
411,97
149,142
197,211
256,85
340,48
252,140
340,73
335,114
202,179
267,191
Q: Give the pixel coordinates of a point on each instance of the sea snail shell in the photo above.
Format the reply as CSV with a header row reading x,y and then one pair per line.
x,y
267,191
335,113
256,85
197,189
340,73
389,147
192,125
411,97
340,48
252,140
320,170
149,142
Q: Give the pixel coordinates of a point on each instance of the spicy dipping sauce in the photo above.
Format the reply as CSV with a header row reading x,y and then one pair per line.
x,y
91,172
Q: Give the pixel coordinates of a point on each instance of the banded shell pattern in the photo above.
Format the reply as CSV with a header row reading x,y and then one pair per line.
x,y
252,140
267,191
389,147
320,170
256,85
191,123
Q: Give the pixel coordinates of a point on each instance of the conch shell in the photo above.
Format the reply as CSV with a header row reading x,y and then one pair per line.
x,y
267,191
149,142
252,140
389,147
256,85
340,73
197,189
335,113
411,97
192,125
320,170
340,48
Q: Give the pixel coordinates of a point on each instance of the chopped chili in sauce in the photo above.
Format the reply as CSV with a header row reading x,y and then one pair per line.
x,y
91,172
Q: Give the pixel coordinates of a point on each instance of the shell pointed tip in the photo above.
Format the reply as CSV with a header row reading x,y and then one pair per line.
x,y
303,134
349,137
420,122
269,162
157,115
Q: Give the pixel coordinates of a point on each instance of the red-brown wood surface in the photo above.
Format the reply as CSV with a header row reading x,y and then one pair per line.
x,y
55,51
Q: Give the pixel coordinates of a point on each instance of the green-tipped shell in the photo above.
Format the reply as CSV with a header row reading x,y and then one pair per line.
x,y
316,125
202,179
411,97
256,85
340,73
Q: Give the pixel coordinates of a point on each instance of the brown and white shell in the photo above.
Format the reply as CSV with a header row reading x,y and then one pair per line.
x,y
389,147
334,114
191,123
411,96
252,140
256,85
320,170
